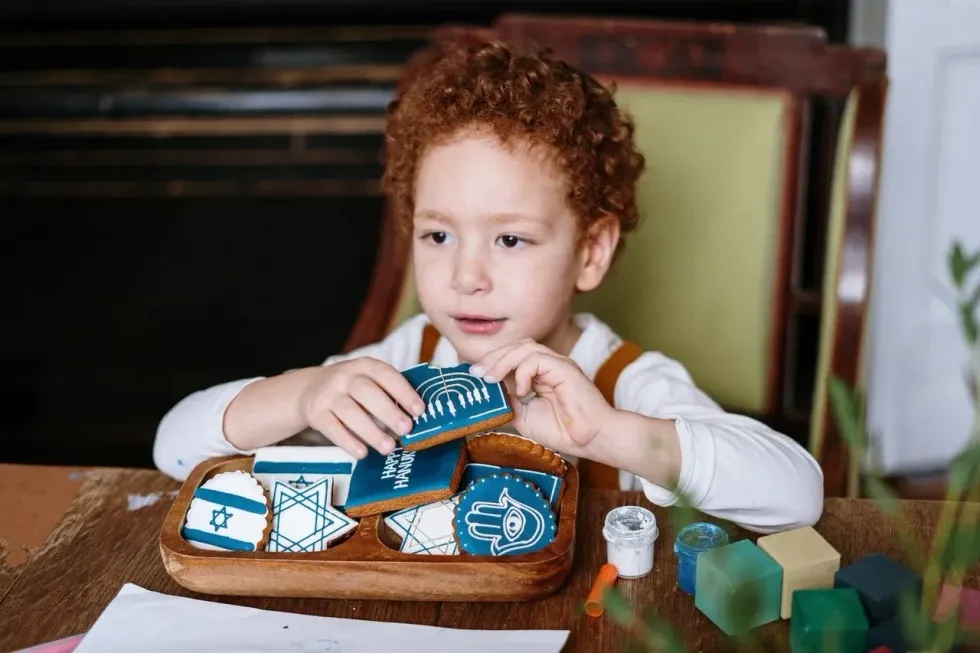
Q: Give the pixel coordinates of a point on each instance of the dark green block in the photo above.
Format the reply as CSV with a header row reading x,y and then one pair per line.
x,y
880,582
738,586
827,621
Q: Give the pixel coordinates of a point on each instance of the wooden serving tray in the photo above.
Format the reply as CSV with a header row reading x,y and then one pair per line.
x,y
367,565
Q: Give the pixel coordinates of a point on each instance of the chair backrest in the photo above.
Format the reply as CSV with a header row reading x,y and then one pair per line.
x,y
742,128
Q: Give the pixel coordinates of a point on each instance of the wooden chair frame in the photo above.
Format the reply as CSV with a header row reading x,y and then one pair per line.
x,y
794,60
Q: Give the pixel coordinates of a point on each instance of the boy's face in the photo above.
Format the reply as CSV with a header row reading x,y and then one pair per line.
x,y
496,251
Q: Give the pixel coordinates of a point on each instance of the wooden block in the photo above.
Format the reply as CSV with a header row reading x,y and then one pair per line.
x,y
738,586
827,620
880,582
808,562
888,634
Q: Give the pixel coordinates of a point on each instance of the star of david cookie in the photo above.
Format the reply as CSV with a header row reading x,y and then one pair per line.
x,y
229,512
502,515
302,466
426,529
456,405
303,519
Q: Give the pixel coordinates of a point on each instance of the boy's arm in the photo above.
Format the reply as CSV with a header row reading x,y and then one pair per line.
x,y
194,429
731,466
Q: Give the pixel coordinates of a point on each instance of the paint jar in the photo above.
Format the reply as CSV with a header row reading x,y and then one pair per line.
x,y
630,533
691,541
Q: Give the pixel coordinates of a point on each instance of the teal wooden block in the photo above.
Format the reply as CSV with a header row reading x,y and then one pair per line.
x,y
738,586
828,620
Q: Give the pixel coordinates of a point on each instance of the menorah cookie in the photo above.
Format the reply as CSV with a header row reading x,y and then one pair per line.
x,y
403,479
301,467
549,485
505,450
456,405
426,529
303,519
502,515
229,512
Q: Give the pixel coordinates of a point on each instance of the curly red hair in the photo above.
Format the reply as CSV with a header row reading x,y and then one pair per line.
x,y
519,94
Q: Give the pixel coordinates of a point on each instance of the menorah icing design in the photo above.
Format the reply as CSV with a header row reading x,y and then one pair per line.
x,y
456,404
503,515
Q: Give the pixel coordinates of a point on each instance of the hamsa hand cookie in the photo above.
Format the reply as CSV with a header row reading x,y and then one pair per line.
x,y
501,515
229,512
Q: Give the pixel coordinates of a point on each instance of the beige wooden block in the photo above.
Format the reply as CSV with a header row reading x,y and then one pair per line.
x,y
808,562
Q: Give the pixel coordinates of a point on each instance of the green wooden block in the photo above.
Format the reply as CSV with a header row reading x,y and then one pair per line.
x,y
825,620
738,587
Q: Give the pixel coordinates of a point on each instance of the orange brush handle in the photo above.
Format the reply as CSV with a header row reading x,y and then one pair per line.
x,y
606,578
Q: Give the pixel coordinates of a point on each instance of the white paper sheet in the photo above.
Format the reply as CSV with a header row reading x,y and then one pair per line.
x,y
149,622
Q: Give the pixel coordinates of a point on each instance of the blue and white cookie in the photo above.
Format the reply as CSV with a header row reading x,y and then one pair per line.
x,y
229,512
404,479
457,404
301,467
549,485
426,529
502,515
303,519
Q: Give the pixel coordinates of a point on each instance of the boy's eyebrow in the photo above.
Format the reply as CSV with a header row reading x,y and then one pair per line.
x,y
515,217
429,214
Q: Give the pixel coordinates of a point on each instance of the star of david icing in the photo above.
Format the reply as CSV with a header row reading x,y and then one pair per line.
x,y
220,523
301,482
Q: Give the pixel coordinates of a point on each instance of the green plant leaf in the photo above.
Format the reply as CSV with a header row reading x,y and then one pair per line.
x,y
968,322
962,549
958,264
964,470
885,498
917,624
846,405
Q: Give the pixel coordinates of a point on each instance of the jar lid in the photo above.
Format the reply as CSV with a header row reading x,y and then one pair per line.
x,y
701,536
630,525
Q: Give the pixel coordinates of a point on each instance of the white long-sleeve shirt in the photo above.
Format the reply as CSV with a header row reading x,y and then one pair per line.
x,y
732,467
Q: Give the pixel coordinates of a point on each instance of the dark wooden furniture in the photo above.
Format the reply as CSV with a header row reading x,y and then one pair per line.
x,y
70,579
819,79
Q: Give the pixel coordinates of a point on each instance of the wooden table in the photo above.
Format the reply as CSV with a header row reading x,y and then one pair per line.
x,y
104,539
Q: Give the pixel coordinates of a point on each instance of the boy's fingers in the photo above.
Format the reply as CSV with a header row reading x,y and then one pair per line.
x,y
330,426
483,366
510,360
397,386
352,415
535,366
377,403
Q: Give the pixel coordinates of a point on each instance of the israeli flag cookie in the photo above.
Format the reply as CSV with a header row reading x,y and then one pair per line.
x,y
548,484
404,479
301,467
228,512
456,405
502,515
303,519
427,529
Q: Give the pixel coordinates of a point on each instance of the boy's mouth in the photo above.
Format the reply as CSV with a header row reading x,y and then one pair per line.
x,y
479,324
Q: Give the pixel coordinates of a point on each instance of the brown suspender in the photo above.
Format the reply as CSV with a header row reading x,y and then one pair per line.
x,y
592,474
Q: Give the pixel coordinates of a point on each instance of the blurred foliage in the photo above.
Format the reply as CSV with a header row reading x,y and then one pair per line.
x,y
956,546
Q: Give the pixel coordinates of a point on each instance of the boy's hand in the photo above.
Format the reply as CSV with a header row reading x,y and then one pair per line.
x,y
343,400
567,411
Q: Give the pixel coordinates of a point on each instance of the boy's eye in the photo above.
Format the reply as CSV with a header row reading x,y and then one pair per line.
x,y
510,241
438,237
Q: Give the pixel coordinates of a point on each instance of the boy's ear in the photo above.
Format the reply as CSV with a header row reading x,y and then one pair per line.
x,y
598,247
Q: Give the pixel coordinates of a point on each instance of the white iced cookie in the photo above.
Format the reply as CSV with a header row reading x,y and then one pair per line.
x,y
229,512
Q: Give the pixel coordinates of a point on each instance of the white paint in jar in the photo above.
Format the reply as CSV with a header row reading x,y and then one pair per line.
x,y
631,533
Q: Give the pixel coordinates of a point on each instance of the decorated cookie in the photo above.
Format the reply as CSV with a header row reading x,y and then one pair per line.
x,y
303,519
426,529
548,484
229,512
403,479
505,450
456,405
502,515
301,467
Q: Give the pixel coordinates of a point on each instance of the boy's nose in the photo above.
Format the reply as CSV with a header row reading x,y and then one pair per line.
x,y
470,275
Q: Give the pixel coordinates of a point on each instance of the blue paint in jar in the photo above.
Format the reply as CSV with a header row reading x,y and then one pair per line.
x,y
690,541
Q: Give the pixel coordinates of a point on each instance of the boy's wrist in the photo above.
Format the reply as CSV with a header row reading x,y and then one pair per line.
x,y
646,446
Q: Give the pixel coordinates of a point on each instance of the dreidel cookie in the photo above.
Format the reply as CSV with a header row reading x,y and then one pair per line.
x,y
502,515
456,405
229,512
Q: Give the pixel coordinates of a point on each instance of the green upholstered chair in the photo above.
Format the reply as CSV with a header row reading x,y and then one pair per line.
x,y
749,196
